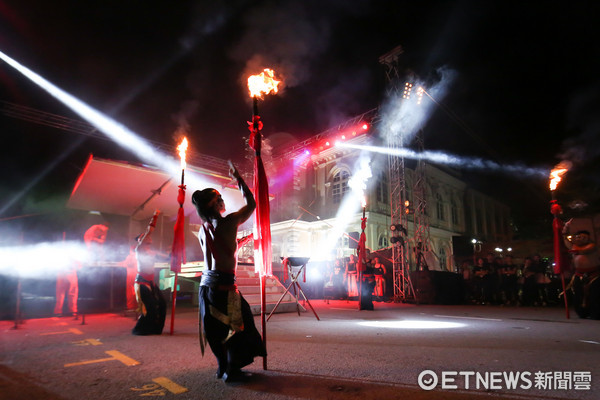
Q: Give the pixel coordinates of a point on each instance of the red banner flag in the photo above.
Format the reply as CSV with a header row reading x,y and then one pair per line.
x,y
178,248
262,243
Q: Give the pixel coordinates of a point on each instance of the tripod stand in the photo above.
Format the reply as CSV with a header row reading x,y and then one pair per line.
x,y
289,263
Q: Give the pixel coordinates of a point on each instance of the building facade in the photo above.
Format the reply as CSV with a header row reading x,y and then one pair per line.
x,y
316,212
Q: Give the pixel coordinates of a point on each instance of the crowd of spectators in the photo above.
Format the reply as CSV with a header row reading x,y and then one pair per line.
x,y
501,281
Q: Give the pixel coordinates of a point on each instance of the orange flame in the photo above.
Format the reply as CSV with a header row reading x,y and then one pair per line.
x,y
263,83
557,173
182,148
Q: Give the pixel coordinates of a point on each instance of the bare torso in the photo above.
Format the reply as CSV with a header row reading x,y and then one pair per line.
x,y
221,255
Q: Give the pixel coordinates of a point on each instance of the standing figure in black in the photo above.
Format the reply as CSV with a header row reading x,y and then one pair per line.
x,y
226,320
152,306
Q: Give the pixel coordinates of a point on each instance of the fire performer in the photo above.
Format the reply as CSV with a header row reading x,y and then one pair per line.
x,y
152,305
585,282
226,320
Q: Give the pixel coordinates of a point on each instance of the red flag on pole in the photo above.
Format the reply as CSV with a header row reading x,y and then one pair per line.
x,y
262,243
261,84
178,248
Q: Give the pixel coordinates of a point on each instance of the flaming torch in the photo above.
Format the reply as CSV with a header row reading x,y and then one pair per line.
x,y
259,85
555,177
178,248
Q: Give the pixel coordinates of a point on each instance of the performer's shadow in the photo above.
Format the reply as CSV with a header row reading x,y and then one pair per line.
x,y
311,386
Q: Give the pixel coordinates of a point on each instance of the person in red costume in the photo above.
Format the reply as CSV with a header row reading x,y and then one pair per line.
x,y
94,239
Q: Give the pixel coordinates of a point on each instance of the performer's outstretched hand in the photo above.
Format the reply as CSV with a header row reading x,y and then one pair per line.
x,y
233,172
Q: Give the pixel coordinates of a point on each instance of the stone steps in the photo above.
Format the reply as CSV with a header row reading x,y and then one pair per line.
x,y
248,283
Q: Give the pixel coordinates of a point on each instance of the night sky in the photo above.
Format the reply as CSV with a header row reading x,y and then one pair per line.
x,y
525,92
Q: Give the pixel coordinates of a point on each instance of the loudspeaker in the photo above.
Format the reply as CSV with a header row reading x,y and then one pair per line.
x,y
449,287
423,286
437,287
353,240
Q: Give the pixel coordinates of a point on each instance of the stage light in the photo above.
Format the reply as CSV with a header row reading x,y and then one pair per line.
x,y
420,92
327,143
397,239
365,127
343,137
407,90
398,228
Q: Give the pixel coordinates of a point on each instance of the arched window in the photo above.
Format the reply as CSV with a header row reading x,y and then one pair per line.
x,y
454,211
343,242
443,259
439,202
383,241
383,188
340,185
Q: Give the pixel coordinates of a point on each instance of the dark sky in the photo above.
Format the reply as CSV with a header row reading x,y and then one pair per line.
x,y
526,88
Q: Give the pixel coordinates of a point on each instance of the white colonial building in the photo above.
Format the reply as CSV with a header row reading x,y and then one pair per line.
x,y
315,213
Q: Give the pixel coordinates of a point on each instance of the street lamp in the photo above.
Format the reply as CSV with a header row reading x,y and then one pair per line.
x,y
476,249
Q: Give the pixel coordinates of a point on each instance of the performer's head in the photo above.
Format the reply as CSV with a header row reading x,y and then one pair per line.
x,y
581,237
209,203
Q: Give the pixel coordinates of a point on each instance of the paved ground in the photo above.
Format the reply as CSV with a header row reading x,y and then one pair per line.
x,y
348,354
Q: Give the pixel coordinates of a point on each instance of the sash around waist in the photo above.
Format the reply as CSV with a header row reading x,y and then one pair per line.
x,y
218,279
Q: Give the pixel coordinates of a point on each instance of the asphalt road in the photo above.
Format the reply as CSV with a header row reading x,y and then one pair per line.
x,y
348,354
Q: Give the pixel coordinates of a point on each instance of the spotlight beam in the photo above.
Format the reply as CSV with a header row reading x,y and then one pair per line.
x,y
453,160
114,130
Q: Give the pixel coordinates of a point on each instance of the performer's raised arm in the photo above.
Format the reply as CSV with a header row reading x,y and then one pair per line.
x,y
246,211
566,231
149,229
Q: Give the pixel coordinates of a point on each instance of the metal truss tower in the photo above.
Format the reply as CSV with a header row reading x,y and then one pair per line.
x,y
421,218
403,289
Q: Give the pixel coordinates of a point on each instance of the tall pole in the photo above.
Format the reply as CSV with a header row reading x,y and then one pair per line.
x,y
555,209
264,83
557,225
178,248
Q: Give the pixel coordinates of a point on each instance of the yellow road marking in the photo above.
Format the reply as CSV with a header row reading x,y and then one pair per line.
x,y
115,355
74,331
122,357
170,385
87,342
89,362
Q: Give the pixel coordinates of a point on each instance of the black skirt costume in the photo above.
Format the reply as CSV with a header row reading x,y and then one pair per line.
x,y
227,322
